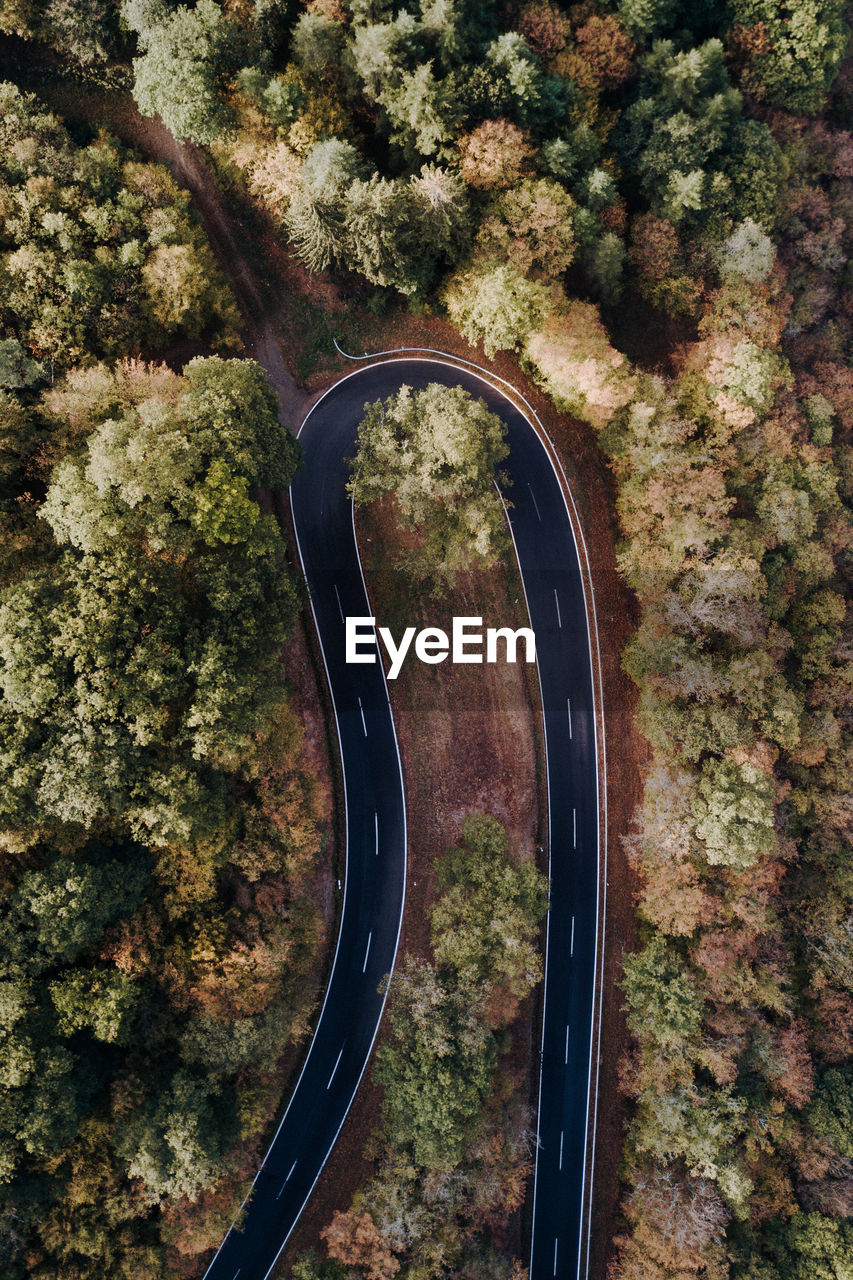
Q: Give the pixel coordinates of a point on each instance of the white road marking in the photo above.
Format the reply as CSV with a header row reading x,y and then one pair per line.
x,y
572,944
335,1067
574,828
340,606
562,1135
567,1045
535,503
556,1241
287,1179
363,721
376,834
569,706
367,952
557,603
236,1273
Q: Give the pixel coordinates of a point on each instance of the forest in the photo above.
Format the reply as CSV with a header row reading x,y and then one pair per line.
x,y
647,205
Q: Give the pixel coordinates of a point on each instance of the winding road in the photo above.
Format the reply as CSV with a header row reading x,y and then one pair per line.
x,y
374,889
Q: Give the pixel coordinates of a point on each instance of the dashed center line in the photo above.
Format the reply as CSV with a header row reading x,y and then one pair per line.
x,y
287,1179
562,1135
367,950
535,503
574,828
363,721
569,707
557,603
335,1067
556,1242
572,943
376,834
567,1045
340,606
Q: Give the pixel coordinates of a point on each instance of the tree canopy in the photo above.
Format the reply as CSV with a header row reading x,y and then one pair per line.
x,y
437,450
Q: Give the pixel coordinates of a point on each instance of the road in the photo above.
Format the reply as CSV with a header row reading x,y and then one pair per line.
x,y
376,850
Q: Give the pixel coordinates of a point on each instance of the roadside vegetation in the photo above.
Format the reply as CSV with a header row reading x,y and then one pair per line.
x,y
454,1151
436,453
648,203
158,827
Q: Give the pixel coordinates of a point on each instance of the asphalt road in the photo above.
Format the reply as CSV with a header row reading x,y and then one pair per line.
x,y
376,852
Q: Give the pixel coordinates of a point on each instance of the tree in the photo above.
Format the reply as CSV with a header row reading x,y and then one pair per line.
x,y
92,243
436,1068
495,305
316,218
437,450
105,1000
354,1239
138,681
382,234
495,155
317,46
810,1246
175,1147
734,812
531,229
789,56
187,57
666,1005
575,359
698,161
545,28
607,48
830,1112
58,913
485,923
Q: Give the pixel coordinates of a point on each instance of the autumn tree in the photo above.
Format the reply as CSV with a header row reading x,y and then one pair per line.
x,y
494,155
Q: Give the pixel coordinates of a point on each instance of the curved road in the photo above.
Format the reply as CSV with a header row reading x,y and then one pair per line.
x,y
376,836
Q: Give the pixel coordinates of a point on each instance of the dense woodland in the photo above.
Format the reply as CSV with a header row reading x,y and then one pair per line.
x,y
649,202
157,826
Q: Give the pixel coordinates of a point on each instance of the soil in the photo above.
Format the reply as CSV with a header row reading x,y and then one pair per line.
x,y
285,309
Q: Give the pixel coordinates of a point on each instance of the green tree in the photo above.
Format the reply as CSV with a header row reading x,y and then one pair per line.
x,y
176,1146
496,305
665,1004
698,161
104,1000
188,56
789,54
436,1068
830,1112
733,813
316,219
437,450
485,923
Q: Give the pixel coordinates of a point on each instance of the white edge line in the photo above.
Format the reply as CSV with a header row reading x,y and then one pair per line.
x,y
490,378
318,401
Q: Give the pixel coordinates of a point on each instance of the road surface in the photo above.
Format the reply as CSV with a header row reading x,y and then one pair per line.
x,y
376,839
